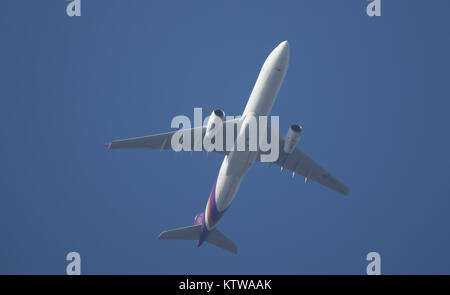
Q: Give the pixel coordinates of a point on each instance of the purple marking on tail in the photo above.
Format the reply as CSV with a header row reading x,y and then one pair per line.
x,y
198,219
107,145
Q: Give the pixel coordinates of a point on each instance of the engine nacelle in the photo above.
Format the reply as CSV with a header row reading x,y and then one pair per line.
x,y
292,138
216,118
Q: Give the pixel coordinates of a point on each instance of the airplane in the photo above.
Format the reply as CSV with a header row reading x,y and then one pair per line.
x,y
237,163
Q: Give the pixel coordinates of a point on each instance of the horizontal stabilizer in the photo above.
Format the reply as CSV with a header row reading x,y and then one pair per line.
x,y
193,233
183,233
220,240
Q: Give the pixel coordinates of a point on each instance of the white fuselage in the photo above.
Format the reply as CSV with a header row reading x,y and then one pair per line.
x,y
236,164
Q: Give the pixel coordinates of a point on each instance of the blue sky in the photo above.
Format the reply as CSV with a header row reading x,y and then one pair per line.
x,y
372,95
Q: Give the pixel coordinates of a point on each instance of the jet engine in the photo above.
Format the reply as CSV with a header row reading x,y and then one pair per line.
x,y
292,138
217,117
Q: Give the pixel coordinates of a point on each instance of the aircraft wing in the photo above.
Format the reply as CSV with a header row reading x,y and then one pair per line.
x,y
300,163
162,141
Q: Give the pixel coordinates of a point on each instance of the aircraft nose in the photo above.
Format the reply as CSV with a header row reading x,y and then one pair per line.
x,y
284,45
284,52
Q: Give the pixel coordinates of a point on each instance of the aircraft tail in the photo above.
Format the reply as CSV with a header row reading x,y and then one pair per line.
x,y
193,233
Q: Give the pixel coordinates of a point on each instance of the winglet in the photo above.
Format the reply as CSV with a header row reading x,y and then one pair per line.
x,y
107,145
